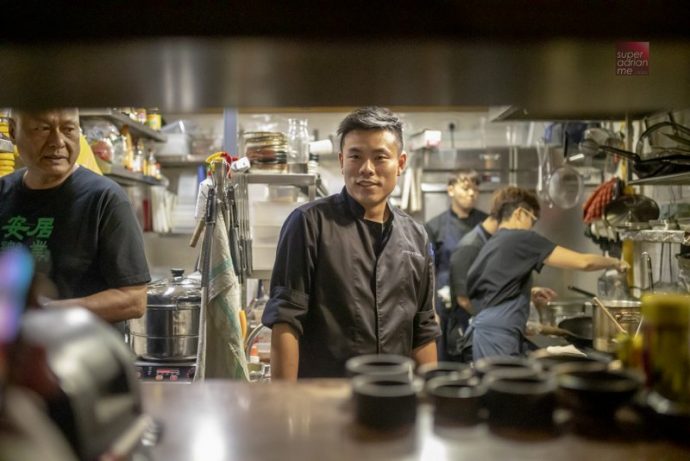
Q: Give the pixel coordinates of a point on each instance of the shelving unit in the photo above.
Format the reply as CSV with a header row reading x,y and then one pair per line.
x,y
180,163
657,235
677,179
128,178
120,120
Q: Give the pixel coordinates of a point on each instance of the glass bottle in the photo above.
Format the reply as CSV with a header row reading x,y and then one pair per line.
x,y
298,141
151,164
139,159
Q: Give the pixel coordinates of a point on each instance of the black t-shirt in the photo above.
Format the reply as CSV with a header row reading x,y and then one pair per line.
x,y
445,231
503,268
82,233
462,258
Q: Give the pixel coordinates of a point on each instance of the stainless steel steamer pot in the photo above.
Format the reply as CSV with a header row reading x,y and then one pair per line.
x,y
626,312
169,329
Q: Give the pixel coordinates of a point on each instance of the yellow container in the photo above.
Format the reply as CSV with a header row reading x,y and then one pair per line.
x,y
666,345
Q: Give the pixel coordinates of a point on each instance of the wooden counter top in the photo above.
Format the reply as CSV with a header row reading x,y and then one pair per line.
x,y
313,420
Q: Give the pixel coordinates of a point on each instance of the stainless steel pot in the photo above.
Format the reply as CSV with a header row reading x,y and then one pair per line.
x,y
559,310
169,329
626,312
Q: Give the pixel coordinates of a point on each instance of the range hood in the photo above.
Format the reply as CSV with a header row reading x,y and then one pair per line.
x,y
515,113
558,78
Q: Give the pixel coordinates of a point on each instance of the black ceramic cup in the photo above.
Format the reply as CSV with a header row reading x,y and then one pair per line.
x,y
592,391
433,370
381,365
525,402
385,403
486,364
456,400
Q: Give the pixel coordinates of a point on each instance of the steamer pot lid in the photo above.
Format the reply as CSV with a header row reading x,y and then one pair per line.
x,y
175,289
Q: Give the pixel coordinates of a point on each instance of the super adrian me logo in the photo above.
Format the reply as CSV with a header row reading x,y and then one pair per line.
x,y
632,58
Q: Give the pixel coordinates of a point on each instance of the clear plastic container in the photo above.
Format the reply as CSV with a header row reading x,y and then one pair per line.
x,y
298,141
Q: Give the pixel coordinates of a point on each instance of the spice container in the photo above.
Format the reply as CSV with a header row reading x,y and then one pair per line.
x,y
666,345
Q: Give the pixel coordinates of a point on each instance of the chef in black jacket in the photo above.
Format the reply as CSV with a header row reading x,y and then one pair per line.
x,y
353,275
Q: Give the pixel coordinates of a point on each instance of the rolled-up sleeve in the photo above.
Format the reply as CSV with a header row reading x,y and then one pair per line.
x,y
292,273
425,327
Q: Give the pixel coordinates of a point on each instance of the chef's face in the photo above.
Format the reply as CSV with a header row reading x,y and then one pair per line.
x,y
48,142
464,193
371,161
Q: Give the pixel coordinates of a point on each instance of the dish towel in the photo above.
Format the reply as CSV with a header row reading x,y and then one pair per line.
x,y
224,356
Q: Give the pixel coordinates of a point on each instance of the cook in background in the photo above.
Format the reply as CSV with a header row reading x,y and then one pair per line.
x,y
79,226
445,231
462,258
353,275
500,279
459,344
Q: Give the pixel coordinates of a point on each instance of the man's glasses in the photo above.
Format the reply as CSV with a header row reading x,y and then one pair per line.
x,y
531,215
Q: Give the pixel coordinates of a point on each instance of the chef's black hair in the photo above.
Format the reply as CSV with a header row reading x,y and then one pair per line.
x,y
371,118
508,199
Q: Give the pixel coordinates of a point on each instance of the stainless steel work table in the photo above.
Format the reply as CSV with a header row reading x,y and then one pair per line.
x,y
313,420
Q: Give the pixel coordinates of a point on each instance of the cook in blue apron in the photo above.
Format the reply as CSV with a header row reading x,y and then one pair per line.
x,y
500,284
445,231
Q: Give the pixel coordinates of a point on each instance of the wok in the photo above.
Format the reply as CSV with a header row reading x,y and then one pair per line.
x,y
578,330
629,211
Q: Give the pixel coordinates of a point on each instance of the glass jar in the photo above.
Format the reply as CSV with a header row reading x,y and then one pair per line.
x,y
666,345
298,141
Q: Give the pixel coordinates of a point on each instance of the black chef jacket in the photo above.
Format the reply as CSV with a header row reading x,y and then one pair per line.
x,y
342,298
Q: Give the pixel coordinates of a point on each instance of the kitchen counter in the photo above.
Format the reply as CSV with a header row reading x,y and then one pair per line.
x,y
313,420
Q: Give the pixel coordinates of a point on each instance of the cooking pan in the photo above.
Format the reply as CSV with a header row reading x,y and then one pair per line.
x,y
630,211
667,161
579,330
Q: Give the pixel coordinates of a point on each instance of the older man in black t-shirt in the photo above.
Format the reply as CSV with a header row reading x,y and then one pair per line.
x,y
79,226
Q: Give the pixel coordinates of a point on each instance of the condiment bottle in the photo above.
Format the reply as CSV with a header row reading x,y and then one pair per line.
x,y
666,345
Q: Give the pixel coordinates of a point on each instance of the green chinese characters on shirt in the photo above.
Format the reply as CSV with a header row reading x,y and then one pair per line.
x,y
18,230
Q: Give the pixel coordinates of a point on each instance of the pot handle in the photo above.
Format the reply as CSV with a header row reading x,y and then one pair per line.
x,y
589,294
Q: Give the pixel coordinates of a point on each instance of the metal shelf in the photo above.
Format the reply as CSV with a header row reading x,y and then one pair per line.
x,y
667,180
291,179
6,145
657,235
512,113
120,120
179,162
128,178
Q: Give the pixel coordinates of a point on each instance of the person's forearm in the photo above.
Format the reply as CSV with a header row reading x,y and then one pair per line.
x,y
284,353
595,262
425,354
465,304
112,305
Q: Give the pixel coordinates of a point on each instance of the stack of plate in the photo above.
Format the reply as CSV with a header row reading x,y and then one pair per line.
x,y
6,163
266,149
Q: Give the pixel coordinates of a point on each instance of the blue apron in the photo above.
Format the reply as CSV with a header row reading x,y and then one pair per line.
x,y
499,330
